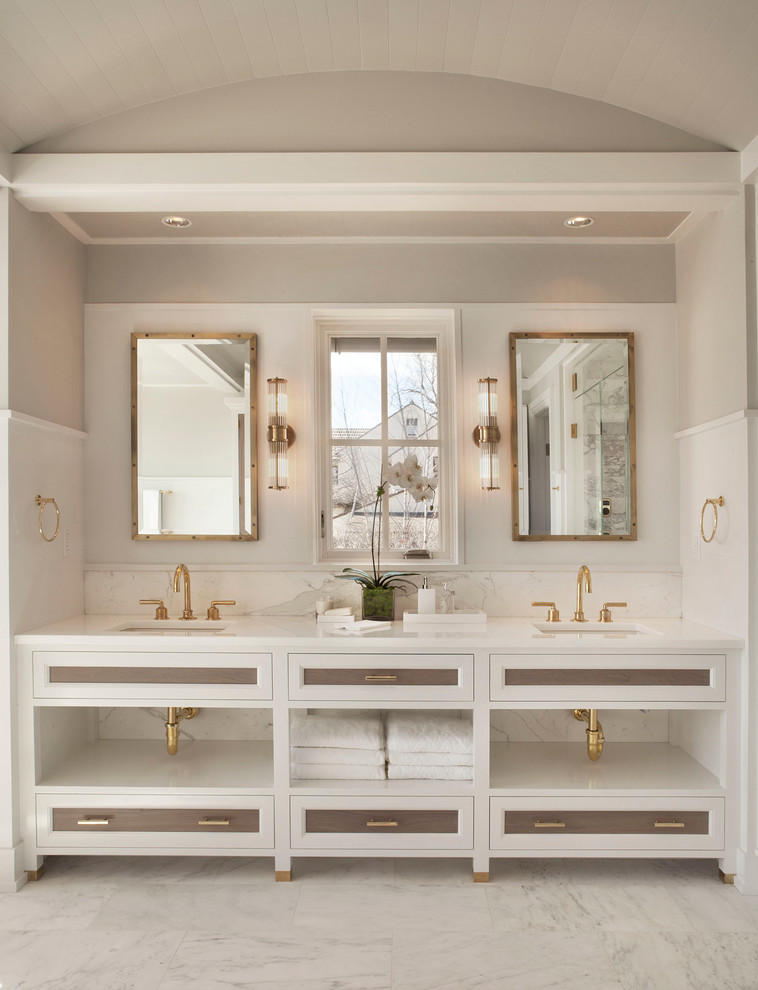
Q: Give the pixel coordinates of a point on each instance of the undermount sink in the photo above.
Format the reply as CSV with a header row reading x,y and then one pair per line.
x,y
595,629
160,627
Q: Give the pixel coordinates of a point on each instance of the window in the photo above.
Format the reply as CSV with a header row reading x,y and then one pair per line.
x,y
385,397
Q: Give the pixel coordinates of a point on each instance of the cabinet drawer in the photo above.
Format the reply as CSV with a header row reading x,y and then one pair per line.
x,y
382,823
215,676
607,678
126,820
385,677
604,823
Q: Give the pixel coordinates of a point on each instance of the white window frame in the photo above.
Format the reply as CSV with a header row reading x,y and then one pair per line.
x,y
440,324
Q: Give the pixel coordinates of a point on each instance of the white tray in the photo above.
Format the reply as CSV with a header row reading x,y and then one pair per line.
x,y
468,616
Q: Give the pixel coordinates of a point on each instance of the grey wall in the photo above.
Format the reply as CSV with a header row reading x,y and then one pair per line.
x,y
381,273
46,319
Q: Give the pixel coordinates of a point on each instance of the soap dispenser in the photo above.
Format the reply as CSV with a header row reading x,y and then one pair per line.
x,y
427,599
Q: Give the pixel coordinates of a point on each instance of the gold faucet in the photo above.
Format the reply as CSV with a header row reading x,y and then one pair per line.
x,y
174,717
583,577
595,737
182,569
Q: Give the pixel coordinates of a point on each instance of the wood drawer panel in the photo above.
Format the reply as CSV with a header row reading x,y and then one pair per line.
x,y
597,824
607,822
156,819
151,675
381,676
608,678
385,820
621,676
341,822
384,676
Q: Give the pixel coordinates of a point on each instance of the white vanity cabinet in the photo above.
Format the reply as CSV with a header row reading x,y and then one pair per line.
x,y
96,776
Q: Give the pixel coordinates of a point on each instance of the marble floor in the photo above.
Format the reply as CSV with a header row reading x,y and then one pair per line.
x,y
182,923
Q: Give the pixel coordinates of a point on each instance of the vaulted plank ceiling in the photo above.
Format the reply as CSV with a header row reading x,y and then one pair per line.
x,y
687,63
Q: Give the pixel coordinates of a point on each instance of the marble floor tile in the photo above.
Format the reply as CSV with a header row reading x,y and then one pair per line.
x,y
245,869
680,961
632,871
387,908
40,906
337,869
720,908
153,869
230,908
86,961
522,961
281,961
457,872
586,908
551,871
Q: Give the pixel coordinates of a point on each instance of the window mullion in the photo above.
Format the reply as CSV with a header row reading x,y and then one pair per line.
x,y
384,504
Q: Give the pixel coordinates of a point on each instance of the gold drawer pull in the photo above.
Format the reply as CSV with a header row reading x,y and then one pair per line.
x,y
669,824
373,824
381,677
539,824
214,821
93,821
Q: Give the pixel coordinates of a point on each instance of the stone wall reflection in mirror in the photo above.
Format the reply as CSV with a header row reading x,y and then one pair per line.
x,y
193,436
573,436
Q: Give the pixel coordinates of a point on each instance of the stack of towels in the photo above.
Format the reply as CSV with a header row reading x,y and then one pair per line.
x,y
429,747
337,747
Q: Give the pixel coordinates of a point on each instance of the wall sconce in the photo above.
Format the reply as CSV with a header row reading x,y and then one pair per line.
x,y
280,437
487,435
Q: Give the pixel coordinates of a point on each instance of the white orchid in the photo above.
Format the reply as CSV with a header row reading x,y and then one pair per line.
x,y
408,475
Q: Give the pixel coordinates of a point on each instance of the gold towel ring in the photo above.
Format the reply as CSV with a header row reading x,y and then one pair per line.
x,y
715,502
42,502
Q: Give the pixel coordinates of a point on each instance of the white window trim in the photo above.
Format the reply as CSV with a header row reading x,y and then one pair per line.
x,y
441,324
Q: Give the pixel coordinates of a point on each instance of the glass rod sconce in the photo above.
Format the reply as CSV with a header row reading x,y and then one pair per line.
x,y
487,435
280,437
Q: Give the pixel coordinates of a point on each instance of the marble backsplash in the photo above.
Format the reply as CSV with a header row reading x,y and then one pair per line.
x,y
117,590
552,725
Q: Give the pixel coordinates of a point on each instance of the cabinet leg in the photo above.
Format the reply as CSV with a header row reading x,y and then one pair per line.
x,y
282,876
35,874
726,877
482,877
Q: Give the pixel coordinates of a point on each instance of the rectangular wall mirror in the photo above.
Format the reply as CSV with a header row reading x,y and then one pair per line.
x,y
573,456
194,464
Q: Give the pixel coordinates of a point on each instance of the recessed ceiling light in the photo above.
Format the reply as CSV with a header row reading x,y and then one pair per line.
x,y
579,221
176,222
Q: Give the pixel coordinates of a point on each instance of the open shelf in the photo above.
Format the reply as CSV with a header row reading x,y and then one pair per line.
x,y
564,769
144,763
424,787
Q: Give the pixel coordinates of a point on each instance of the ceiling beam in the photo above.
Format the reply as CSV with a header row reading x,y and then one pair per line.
x,y
276,182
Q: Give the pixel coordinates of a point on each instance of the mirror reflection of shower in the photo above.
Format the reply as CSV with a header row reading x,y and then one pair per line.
x,y
573,434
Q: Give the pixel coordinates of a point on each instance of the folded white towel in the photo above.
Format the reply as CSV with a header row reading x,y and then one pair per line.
x,y
351,731
405,772
415,732
324,754
362,627
336,771
399,757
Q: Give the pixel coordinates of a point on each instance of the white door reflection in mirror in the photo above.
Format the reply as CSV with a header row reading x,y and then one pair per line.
x,y
573,436
193,436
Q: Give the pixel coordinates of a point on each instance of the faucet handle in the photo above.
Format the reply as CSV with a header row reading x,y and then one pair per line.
x,y
605,611
553,615
213,613
161,612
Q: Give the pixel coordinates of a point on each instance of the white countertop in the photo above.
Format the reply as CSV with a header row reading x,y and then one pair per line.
x,y
238,633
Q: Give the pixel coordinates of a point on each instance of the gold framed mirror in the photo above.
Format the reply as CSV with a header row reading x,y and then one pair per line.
x,y
194,459
573,437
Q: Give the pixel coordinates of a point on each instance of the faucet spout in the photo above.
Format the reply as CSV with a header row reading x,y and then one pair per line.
x,y
583,582
180,571
173,718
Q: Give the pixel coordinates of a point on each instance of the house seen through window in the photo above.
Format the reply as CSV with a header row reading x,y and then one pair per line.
x,y
384,406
